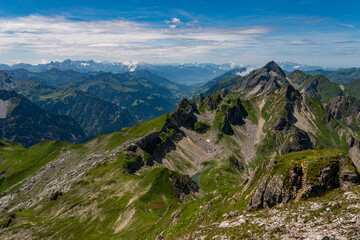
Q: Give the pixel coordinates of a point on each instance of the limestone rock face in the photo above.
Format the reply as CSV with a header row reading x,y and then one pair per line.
x,y
149,142
314,178
184,115
285,123
269,193
257,200
237,113
345,108
328,180
275,193
212,102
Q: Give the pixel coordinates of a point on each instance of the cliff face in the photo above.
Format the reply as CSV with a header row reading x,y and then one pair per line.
x,y
303,175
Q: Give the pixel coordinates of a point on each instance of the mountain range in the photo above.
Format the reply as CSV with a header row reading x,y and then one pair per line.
x,y
180,73
100,102
269,154
187,73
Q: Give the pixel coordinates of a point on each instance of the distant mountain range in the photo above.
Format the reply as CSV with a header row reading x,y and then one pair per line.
x,y
100,102
189,73
291,66
180,73
339,76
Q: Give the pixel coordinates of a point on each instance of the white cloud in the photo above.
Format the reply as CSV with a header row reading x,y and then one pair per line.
x,y
175,20
36,37
244,73
132,65
121,39
347,25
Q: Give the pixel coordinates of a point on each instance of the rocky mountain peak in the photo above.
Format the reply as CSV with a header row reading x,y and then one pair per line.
x,y
268,78
184,115
273,67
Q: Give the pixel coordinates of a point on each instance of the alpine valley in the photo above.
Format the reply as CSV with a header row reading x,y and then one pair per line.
x,y
92,153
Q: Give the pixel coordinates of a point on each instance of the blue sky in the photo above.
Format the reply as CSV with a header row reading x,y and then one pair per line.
x,y
249,32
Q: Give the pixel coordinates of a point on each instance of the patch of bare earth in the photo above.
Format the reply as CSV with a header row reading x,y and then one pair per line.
x,y
253,134
192,150
124,220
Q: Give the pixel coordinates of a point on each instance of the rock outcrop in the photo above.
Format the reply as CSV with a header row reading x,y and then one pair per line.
x,y
184,115
344,108
303,175
237,113
182,184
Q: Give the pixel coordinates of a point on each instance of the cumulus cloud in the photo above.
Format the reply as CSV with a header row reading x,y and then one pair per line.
x,y
175,20
59,36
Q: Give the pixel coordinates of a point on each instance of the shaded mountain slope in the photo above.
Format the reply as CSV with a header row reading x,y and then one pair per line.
x,y
222,84
143,98
176,89
24,122
93,114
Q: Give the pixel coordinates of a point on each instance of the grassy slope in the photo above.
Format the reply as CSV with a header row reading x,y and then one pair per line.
x,y
18,162
353,89
108,194
321,87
